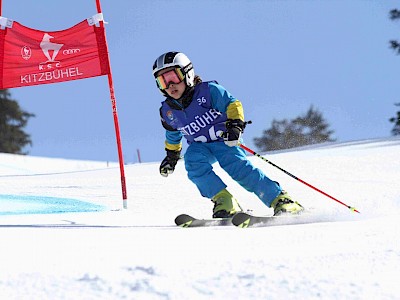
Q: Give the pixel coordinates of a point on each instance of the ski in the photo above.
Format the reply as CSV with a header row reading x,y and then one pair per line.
x,y
184,220
242,220
245,220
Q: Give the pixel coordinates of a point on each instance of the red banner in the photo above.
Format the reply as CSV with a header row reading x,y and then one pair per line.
x,y
31,57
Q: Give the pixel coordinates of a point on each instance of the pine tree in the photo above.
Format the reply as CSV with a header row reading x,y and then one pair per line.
x,y
12,122
311,128
396,121
394,14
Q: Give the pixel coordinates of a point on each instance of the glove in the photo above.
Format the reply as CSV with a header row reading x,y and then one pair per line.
x,y
169,162
234,130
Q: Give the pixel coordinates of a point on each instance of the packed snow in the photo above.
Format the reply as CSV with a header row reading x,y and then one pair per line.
x,y
65,235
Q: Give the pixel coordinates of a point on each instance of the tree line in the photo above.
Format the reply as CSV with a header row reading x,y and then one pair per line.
x,y
394,15
13,119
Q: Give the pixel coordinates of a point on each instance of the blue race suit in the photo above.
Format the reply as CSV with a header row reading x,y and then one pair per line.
x,y
201,122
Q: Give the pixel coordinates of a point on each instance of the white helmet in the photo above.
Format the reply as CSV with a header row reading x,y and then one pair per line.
x,y
171,59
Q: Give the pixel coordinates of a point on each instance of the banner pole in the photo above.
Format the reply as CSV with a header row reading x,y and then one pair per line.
x,y
116,123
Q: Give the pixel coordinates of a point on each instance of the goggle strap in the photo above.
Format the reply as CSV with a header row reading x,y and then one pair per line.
x,y
187,68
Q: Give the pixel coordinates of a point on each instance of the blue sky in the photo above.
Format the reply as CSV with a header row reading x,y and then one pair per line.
x,y
278,57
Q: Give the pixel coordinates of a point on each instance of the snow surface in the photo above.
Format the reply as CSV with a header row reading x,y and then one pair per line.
x,y
64,234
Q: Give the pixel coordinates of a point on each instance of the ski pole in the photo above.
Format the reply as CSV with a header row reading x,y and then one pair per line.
x,y
295,177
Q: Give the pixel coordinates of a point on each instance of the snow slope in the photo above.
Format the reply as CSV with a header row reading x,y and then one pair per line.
x,y
64,234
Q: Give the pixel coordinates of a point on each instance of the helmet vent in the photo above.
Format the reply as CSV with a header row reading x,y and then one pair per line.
x,y
169,57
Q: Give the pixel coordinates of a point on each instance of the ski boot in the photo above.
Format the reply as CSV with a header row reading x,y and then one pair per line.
x,y
225,205
284,204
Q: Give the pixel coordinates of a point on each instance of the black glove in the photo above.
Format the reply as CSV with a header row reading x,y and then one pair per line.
x,y
234,130
168,164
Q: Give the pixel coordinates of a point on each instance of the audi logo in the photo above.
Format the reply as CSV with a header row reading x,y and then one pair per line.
x,y
71,51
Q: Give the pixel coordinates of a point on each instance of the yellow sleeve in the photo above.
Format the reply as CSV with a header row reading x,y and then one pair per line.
x,y
173,147
234,111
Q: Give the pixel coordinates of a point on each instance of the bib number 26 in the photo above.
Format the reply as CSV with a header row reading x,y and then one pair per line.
x,y
213,136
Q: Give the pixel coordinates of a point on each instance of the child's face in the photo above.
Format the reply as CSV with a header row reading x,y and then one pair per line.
x,y
174,90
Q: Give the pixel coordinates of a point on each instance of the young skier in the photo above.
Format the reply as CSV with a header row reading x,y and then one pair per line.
x,y
212,121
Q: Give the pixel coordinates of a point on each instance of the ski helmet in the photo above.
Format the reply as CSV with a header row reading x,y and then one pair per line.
x,y
178,59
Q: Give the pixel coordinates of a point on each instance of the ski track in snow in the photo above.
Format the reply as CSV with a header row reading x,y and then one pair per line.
x,y
64,234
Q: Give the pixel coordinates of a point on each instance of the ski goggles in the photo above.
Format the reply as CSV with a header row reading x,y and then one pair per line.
x,y
173,76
